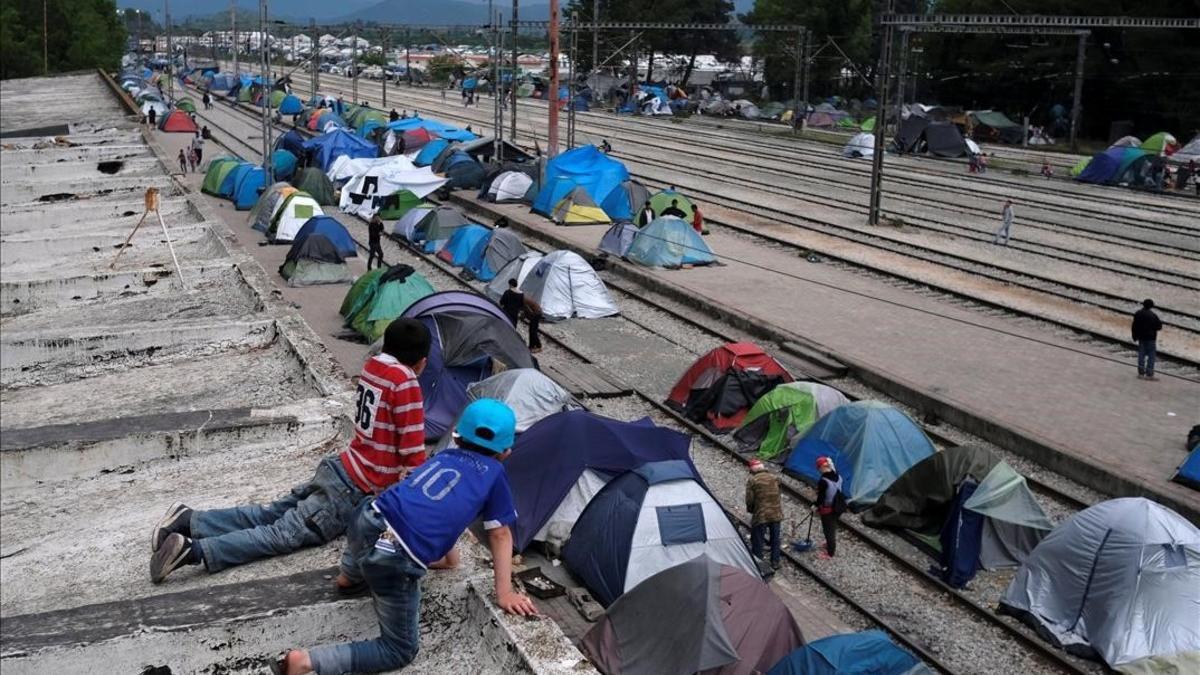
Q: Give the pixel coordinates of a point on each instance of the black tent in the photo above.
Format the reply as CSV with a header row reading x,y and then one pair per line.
x,y
944,140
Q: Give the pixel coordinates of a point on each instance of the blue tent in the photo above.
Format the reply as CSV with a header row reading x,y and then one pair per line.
x,y
222,82
334,231
249,185
1110,165
328,147
551,457
867,653
291,105
463,244
230,182
871,443
292,141
369,126
283,164
469,333
669,242
1188,473
584,166
440,129
469,84
430,152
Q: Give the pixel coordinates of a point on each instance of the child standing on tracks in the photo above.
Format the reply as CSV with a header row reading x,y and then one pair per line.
x,y
831,503
375,248
388,442
1006,221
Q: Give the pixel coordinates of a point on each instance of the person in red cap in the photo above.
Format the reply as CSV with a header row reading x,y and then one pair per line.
x,y
831,503
766,511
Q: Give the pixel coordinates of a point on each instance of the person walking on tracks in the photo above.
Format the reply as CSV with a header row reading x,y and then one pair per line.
x,y
513,302
1146,325
1006,221
374,235
766,511
388,443
183,161
831,503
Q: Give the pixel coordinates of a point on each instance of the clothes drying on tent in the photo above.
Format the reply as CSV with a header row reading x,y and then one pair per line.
x,y
1001,525
1118,581
381,295
503,246
578,208
459,249
671,243
626,200
332,230
560,463
697,617
871,444
290,216
249,185
646,520
327,147
784,414
518,268
860,145
268,203
869,652
315,260
177,121
585,167
314,181
363,194
566,286
469,333
1188,472
618,238
509,187
430,227
705,393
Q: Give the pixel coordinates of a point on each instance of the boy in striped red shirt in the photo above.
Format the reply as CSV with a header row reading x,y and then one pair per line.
x,y
389,440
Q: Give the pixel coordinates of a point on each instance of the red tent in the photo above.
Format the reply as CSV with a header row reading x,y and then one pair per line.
x,y
415,139
177,121
720,386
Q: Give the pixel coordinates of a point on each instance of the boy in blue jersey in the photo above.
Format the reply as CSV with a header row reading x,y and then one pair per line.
x,y
413,527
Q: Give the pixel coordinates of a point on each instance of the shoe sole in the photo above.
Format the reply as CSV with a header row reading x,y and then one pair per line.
x,y
168,558
163,528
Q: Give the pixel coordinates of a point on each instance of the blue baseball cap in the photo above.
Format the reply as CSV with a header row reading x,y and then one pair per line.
x,y
488,423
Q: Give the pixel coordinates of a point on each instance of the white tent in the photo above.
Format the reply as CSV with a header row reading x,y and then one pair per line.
x,y
160,109
618,238
517,268
1188,152
292,213
565,285
363,194
1119,580
747,109
1127,142
345,167
530,394
861,145
509,186
972,147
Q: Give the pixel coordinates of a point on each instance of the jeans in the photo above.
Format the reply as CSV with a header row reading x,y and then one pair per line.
x,y
313,513
375,253
1147,352
1002,233
535,337
761,532
395,582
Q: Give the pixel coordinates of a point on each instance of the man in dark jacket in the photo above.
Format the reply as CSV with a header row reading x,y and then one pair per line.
x,y
766,510
1146,325
375,246
830,503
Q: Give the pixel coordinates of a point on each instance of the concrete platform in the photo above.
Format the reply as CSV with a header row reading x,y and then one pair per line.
x,y
1031,390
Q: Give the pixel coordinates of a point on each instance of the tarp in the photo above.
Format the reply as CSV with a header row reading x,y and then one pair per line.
x,y
618,238
435,127
561,462
363,194
345,167
584,166
697,617
566,286
1188,472
324,149
669,242
1119,580
871,443
869,652
783,415
995,126
643,521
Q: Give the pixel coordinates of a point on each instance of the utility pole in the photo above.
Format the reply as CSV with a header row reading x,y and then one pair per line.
x,y
796,103
386,65
170,52
552,98
45,40
1077,101
233,28
900,76
497,90
266,92
806,75
595,45
571,75
354,64
516,69
316,56
881,92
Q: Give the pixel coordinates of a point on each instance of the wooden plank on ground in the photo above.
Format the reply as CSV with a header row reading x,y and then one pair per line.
x,y
583,379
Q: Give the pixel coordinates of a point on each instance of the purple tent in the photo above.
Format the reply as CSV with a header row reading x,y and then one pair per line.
x,y
469,332
558,464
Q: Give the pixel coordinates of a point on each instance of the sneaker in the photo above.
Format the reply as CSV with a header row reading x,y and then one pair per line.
x,y
178,519
175,552
824,555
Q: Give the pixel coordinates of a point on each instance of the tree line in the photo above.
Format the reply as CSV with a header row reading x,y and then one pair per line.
x,y
79,34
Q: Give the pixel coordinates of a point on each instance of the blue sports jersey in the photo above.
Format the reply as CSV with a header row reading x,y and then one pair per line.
x,y
429,509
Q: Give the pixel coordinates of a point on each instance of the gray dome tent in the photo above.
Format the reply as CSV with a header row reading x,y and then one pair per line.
x,y
1119,581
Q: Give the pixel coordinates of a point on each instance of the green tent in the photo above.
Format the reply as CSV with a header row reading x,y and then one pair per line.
x,y
660,201
1080,166
277,98
868,124
772,110
783,415
264,209
314,181
395,290
525,90
847,123
218,168
360,293
186,104
396,205
369,115
1158,143
922,499
244,95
